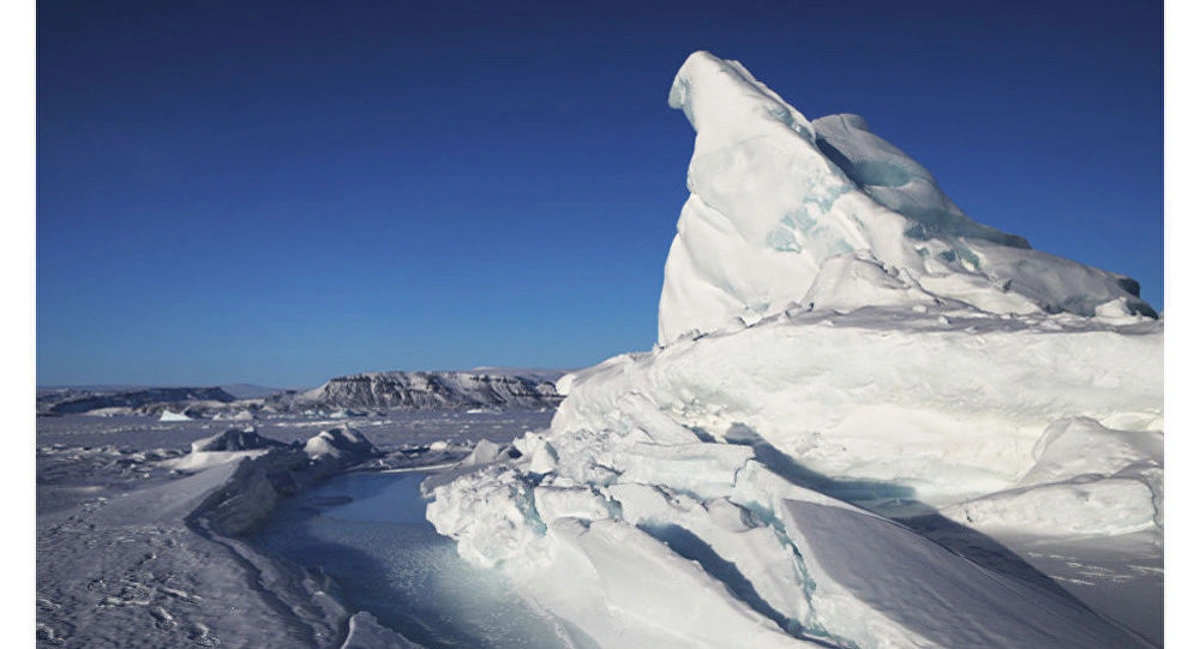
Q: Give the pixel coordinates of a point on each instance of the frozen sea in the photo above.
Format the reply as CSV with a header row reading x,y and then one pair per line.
x,y
119,563
368,533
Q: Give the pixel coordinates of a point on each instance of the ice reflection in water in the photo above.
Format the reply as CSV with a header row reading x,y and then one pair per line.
x,y
368,532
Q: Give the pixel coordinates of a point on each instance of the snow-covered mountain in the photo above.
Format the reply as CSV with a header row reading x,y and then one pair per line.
x,y
845,358
146,401
426,391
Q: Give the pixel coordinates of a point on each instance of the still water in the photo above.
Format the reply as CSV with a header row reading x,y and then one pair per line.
x,y
368,532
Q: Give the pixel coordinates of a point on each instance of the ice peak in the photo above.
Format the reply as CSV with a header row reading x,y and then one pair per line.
x,y
775,196
711,90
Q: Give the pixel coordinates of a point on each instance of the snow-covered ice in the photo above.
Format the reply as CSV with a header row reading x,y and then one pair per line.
x,y
138,524
825,213
863,410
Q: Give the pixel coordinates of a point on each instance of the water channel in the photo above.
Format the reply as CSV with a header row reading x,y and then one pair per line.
x,y
368,532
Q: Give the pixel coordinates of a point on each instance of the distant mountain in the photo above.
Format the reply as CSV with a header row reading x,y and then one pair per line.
x,y
149,401
427,391
493,388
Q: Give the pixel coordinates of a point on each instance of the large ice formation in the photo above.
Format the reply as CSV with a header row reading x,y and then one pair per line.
x,y
784,210
839,343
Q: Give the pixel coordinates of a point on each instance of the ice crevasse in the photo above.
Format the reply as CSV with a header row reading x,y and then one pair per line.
x,y
837,341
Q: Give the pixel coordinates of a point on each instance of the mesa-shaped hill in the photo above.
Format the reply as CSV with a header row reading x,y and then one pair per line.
x,y
426,391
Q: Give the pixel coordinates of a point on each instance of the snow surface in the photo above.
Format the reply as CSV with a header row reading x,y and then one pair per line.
x,y
124,567
136,534
838,343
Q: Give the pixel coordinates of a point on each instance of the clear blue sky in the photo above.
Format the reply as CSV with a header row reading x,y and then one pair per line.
x,y
281,192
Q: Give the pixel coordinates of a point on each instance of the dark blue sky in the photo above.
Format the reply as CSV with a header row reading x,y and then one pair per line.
x,y
283,192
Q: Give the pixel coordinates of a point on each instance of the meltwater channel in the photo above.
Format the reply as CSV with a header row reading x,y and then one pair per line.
x,y
368,532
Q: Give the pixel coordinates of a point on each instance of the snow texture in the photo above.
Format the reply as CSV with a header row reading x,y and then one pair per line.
x,y
838,342
142,548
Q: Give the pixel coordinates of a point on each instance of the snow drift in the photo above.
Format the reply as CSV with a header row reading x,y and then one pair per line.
x,y
837,341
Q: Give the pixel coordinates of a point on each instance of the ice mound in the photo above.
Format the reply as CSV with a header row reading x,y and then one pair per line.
x,y
775,199
229,447
343,445
271,470
841,342
167,415
1086,479
235,439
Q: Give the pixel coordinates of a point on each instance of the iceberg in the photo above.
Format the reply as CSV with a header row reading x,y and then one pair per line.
x,y
841,351
827,213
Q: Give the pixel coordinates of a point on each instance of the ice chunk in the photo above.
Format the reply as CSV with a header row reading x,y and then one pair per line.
x,y
491,513
485,452
1082,446
235,439
651,586
731,542
1083,506
342,445
1086,480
